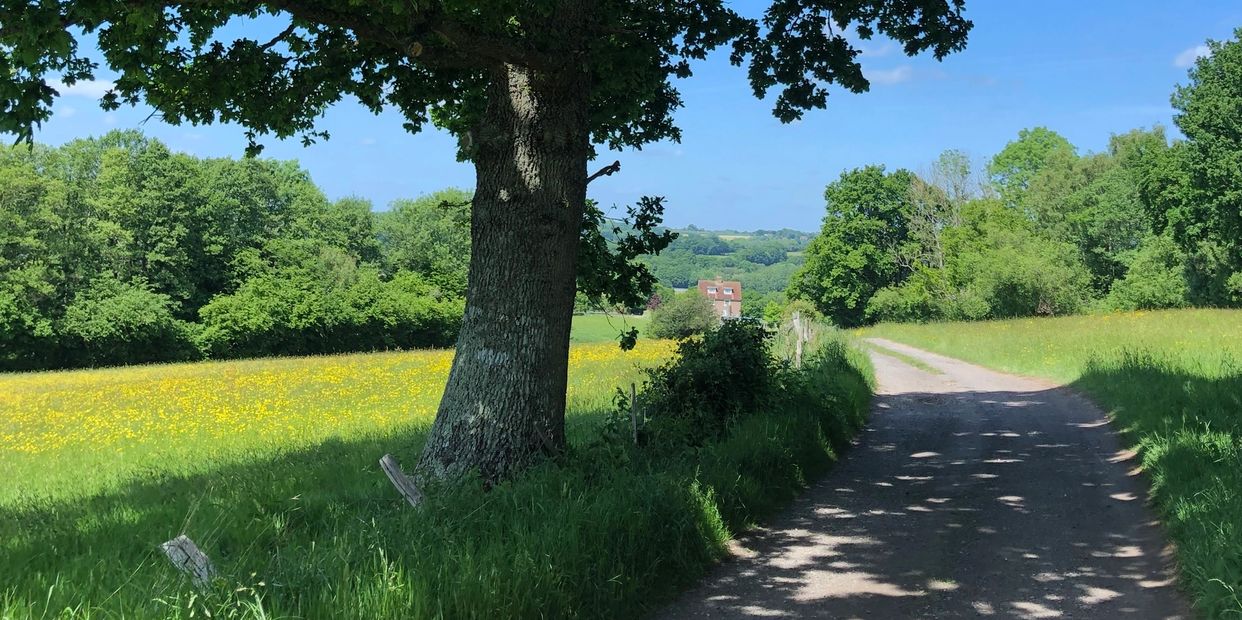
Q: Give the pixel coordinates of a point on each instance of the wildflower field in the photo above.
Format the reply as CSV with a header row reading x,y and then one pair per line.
x,y
1172,382
66,434
269,464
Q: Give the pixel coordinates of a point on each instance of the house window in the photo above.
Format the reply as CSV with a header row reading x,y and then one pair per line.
x,y
728,291
711,290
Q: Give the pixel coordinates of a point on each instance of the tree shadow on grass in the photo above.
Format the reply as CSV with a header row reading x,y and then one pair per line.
x,y
327,536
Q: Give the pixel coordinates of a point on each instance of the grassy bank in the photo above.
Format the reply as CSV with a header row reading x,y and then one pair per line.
x,y
1173,384
270,466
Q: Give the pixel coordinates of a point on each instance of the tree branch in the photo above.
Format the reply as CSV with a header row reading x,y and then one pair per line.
x,y
278,38
606,171
418,38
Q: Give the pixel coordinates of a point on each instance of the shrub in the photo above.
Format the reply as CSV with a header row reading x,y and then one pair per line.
x,y
912,301
1037,278
682,316
710,382
117,323
292,312
1156,278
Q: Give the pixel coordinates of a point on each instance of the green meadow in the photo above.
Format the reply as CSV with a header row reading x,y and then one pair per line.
x,y
270,466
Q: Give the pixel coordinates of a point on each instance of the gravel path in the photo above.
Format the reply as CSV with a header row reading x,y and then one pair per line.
x,y
970,494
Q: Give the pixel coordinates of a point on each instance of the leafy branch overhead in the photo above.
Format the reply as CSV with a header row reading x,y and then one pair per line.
x,y
430,59
610,271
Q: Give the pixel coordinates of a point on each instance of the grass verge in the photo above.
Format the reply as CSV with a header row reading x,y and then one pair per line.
x,y
1172,382
905,359
317,532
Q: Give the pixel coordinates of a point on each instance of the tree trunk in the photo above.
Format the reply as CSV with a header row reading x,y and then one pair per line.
x,y
504,405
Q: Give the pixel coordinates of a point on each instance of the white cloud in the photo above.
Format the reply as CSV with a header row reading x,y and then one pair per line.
x,y
367,141
876,49
1188,57
83,88
896,75
109,119
66,111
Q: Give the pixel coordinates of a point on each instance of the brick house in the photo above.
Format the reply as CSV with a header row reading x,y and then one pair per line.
x,y
725,295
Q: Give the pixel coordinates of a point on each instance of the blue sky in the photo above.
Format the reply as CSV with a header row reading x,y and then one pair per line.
x,y
1086,69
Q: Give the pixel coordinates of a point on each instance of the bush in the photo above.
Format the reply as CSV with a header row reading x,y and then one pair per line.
x,y
710,382
1156,278
296,312
682,316
118,323
1012,276
913,301
1039,278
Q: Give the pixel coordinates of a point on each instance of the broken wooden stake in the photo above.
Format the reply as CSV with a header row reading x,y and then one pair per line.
x,y
405,485
189,559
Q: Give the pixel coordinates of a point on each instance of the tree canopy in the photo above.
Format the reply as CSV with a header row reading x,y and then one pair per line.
x,y
429,59
116,250
531,89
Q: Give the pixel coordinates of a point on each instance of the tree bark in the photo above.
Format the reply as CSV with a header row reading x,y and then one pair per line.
x,y
504,404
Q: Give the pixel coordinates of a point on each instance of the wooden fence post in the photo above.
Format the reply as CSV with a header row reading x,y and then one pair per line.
x,y
634,412
189,559
405,485
797,329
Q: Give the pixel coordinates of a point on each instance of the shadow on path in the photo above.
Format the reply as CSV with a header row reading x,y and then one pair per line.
x,y
970,494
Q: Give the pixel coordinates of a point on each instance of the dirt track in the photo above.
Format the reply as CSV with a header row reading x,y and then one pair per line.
x,y
971,494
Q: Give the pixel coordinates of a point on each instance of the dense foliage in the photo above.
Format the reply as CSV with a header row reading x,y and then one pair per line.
x,y
117,250
761,260
680,316
711,382
1146,224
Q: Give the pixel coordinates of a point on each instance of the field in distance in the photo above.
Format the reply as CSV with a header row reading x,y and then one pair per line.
x,y
74,433
600,327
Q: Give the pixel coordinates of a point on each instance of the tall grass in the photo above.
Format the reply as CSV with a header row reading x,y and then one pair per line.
x,y
312,529
1172,382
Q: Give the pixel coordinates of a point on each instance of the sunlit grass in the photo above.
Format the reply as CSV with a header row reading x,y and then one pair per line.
x,y
1172,382
72,433
1060,347
601,327
270,466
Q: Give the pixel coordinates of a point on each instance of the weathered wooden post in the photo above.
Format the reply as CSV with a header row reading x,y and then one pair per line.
x,y
634,412
405,485
189,559
797,329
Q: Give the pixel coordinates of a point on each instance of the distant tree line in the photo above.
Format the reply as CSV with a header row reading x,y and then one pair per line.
x,y
117,250
1044,230
763,261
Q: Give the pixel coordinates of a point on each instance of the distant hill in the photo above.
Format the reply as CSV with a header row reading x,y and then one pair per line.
x,y
762,260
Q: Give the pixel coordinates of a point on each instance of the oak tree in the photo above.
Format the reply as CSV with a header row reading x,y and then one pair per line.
x,y
532,88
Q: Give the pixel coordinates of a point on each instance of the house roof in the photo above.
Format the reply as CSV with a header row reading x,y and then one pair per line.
x,y
720,286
